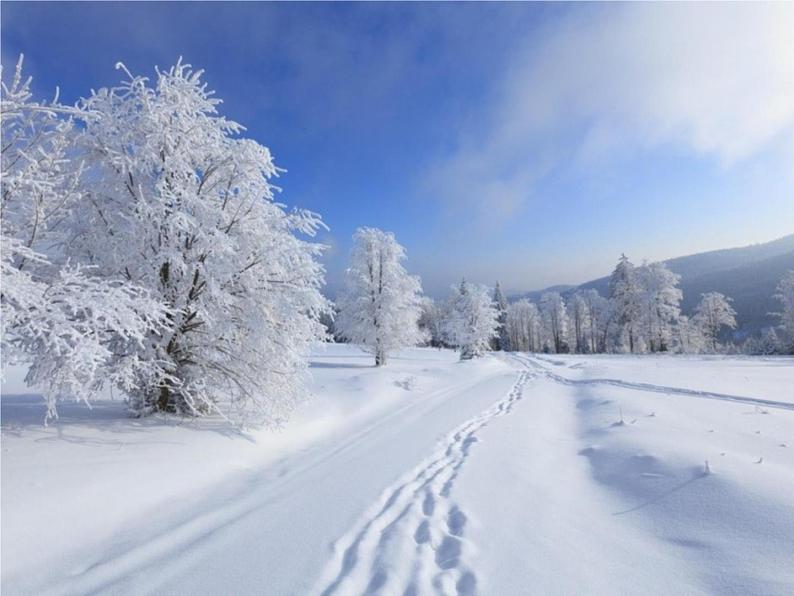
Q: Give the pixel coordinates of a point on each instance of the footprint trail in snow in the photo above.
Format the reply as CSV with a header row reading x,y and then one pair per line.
x,y
412,541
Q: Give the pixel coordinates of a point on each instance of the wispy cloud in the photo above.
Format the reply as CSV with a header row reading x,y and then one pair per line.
x,y
712,80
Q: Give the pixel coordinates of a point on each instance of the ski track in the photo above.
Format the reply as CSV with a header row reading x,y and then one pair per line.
x,y
412,540
752,401
129,558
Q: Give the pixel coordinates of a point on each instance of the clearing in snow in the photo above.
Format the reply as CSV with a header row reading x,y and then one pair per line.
x,y
510,474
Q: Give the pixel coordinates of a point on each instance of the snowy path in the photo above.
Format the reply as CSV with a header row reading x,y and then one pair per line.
x,y
412,539
506,476
273,526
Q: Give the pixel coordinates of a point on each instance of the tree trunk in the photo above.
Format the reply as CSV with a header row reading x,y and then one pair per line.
x,y
380,357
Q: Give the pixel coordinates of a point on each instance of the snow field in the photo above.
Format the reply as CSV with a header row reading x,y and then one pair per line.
x,y
510,474
628,506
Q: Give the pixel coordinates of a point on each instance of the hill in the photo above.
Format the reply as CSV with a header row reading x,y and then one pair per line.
x,y
748,274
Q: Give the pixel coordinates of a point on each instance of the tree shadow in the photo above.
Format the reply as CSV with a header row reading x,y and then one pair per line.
x,y
339,365
26,414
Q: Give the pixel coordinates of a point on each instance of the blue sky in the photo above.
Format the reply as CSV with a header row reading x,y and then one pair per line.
x,y
531,143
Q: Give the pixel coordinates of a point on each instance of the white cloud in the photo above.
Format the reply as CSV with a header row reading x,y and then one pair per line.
x,y
713,80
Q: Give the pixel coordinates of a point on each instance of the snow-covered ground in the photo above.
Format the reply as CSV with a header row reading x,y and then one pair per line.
x,y
513,474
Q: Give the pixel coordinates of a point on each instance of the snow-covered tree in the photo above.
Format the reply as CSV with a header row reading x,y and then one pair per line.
x,y
555,321
431,322
785,295
471,319
765,345
599,316
523,326
502,341
624,293
380,303
688,337
177,202
578,315
712,314
75,329
660,301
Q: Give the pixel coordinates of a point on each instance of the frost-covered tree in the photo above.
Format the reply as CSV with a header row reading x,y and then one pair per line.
x,y
471,319
177,202
523,326
660,301
785,295
380,303
765,345
579,315
328,320
624,294
431,322
75,329
502,341
555,321
688,337
712,314
599,317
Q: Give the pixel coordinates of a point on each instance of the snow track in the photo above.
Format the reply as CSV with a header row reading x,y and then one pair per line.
x,y
413,539
752,401
114,568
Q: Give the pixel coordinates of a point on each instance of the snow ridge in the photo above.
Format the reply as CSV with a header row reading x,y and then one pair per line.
x,y
412,540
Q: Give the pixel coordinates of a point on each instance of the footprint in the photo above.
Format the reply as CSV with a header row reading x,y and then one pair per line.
x,y
429,504
377,581
467,584
448,553
422,534
468,442
456,521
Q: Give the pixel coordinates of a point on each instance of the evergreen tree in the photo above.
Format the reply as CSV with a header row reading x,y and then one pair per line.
x,y
502,341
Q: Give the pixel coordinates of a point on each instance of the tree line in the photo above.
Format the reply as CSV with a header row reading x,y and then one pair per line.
x,y
381,308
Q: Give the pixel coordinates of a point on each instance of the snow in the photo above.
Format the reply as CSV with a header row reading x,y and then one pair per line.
x,y
509,474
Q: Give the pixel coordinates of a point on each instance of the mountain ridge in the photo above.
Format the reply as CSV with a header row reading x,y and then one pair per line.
x,y
747,274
